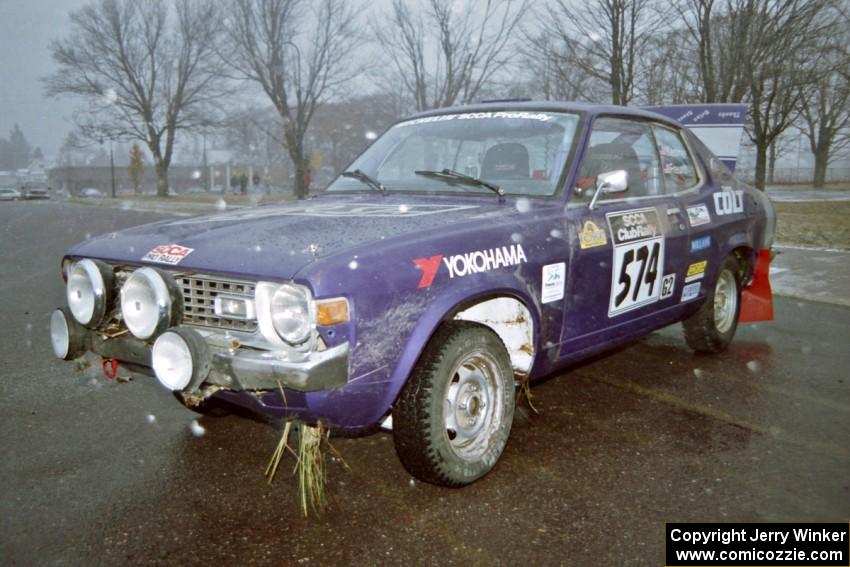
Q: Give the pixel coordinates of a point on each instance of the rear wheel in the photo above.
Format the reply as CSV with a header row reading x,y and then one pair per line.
x,y
712,327
453,417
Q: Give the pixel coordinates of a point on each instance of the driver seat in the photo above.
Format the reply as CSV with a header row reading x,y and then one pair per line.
x,y
505,161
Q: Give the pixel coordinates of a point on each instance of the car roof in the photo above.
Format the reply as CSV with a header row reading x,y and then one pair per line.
x,y
588,108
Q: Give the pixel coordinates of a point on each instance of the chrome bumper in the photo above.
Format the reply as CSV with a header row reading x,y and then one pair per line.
x,y
243,368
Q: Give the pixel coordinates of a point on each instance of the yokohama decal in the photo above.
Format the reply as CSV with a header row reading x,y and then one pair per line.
x,y
473,262
429,267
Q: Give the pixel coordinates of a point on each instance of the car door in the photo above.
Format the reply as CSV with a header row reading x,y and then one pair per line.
x,y
629,247
684,181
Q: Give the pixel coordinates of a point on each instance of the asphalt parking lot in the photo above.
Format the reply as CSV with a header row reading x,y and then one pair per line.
x,y
102,473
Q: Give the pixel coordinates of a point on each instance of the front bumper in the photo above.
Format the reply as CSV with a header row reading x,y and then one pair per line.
x,y
236,369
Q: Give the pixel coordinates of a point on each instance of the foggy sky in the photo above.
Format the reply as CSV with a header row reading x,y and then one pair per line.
x,y
26,28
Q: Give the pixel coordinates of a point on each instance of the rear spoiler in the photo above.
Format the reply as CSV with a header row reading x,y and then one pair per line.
x,y
718,126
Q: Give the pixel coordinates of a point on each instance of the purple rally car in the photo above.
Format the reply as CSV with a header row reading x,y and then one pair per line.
x,y
466,251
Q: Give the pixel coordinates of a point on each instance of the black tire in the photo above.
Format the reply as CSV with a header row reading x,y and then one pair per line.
x,y
209,407
431,442
712,328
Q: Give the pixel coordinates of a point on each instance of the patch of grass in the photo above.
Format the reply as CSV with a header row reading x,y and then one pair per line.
x,y
524,394
815,224
310,467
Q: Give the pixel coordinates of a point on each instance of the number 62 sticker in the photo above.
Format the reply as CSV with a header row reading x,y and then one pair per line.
x,y
638,260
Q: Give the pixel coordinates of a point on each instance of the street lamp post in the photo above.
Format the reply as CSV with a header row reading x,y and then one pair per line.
x,y
111,164
205,178
112,167
297,68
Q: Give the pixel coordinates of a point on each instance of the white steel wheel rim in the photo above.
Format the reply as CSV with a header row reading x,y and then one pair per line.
x,y
725,301
473,411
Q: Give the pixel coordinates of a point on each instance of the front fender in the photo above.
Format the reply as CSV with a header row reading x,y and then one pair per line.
x,y
461,293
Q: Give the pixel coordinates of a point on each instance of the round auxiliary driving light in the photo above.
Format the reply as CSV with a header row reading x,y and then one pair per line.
x,y
146,303
180,359
88,291
67,337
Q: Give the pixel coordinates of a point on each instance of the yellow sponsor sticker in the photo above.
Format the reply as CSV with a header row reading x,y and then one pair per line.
x,y
591,236
696,271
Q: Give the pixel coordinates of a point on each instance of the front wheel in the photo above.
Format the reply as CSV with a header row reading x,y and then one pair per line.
x,y
452,419
712,327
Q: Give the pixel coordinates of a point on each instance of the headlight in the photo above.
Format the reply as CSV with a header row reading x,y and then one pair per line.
x,y
88,291
285,311
290,310
146,303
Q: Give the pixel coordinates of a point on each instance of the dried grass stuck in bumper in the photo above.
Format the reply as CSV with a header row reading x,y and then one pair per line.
x,y
310,466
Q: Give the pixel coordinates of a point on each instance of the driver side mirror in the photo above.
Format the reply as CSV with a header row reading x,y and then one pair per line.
x,y
616,181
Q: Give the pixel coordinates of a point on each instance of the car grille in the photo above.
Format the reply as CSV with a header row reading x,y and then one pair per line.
x,y
199,293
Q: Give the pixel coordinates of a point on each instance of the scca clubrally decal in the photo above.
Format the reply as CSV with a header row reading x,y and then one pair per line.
x,y
638,259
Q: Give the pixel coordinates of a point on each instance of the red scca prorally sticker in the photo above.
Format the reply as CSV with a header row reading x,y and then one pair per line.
x,y
473,262
170,254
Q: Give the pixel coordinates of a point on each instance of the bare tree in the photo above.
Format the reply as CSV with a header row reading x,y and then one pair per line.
x,y
756,51
784,48
470,43
724,38
607,39
145,70
298,55
826,101
342,130
670,75
552,71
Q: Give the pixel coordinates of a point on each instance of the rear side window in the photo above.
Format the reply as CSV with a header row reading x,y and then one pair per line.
x,y
677,166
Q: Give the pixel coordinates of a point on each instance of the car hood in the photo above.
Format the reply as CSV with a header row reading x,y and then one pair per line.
x,y
276,241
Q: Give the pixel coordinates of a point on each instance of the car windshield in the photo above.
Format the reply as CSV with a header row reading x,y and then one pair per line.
x,y
521,152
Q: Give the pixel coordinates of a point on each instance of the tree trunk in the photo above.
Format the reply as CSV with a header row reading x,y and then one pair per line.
x,y
300,174
821,162
761,165
771,164
161,178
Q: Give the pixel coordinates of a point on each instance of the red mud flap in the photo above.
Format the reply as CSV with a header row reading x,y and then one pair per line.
x,y
757,298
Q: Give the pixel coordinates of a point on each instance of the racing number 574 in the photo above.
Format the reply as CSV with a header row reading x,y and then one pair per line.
x,y
647,273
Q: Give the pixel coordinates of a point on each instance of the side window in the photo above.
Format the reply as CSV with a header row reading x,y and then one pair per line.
x,y
676,162
616,143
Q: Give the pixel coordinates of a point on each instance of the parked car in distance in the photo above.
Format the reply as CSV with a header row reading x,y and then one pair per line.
x,y
91,193
465,253
195,191
35,193
9,194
